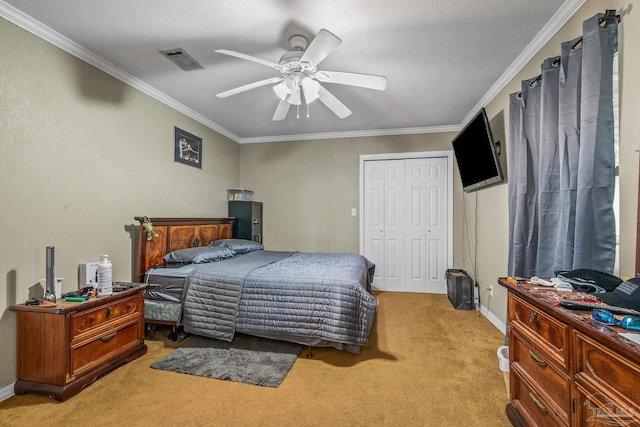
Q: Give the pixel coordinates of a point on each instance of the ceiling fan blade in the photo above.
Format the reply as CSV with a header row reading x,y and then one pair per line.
x,y
368,81
248,87
333,103
281,111
320,47
249,58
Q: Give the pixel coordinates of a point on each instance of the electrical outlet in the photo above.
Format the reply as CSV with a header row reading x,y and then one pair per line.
x,y
490,290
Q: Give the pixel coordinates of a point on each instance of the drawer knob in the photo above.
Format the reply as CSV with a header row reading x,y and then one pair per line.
x,y
109,337
109,311
533,316
538,359
539,405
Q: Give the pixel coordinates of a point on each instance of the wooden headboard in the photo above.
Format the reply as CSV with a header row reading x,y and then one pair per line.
x,y
174,234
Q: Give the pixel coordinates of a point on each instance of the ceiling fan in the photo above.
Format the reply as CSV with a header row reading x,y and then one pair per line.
x,y
301,77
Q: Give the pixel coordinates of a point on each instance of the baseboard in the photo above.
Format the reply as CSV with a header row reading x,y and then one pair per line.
x,y
6,392
493,319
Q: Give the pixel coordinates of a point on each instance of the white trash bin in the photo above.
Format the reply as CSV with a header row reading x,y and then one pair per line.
x,y
503,358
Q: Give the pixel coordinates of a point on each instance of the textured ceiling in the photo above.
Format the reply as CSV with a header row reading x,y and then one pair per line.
x,y
440,58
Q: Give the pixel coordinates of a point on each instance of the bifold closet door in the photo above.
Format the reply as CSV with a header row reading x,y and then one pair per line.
x,y
384,220
405,223
425,225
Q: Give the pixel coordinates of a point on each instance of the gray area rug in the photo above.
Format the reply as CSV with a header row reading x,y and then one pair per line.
x,y
247,359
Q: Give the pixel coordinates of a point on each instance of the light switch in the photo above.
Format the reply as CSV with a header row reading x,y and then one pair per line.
x,y
353,212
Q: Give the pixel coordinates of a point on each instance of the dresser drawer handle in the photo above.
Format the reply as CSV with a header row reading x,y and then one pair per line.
x,y
538,359
109,311
109,337
539,405
533,316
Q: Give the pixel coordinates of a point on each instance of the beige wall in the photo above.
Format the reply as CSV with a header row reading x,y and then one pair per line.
x,y
492,216
309,188
81,154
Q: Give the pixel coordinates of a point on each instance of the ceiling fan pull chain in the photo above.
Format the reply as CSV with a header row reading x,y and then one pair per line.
x,y
308,107
298,115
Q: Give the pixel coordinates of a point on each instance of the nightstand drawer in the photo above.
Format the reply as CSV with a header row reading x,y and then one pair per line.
x,y
601,368
87,321
98,351
548,334
553,382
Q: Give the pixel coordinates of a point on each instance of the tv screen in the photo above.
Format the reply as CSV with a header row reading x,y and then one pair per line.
x,y
475,153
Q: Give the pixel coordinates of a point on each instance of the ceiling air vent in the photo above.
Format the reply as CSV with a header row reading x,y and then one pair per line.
x,y
182,59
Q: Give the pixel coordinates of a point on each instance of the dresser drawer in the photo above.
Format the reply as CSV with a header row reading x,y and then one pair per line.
x,y
600,367
87,321
97,351
546,333
549,379
531,404
595,410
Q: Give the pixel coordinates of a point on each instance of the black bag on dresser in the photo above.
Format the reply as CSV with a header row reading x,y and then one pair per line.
x,y
459,289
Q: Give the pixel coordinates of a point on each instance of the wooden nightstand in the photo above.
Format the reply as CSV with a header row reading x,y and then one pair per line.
x,y
63,349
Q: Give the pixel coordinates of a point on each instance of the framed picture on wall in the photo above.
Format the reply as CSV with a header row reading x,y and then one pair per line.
x,y
187,148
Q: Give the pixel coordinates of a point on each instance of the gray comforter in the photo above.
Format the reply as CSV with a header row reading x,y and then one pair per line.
x,y
311,298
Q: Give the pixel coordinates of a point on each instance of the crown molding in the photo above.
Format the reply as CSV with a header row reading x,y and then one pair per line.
x,y
566,11
350,134
35,27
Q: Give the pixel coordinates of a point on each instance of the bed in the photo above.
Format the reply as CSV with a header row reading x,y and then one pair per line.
x,y
315,299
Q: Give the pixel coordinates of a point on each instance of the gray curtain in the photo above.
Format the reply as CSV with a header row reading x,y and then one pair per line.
x,y
561,159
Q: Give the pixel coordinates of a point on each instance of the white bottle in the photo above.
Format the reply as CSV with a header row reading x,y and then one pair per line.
x,y
105,283
58,287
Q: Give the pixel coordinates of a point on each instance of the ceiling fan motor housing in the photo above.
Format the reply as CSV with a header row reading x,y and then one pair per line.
x,y
290,63
298,42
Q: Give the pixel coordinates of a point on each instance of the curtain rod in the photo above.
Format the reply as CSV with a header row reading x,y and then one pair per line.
x,y
609,16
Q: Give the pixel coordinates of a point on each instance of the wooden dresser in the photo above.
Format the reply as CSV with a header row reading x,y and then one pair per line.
x,y
63,349
566,369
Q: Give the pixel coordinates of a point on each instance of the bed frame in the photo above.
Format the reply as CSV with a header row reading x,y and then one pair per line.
x,y
173,234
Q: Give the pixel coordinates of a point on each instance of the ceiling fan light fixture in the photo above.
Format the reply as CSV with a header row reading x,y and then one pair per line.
x,y
311,89
292,82
295,98
281,90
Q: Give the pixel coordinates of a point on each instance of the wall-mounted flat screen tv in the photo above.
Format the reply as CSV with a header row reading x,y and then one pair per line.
x,y
475,153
